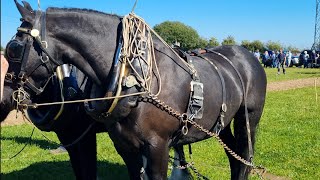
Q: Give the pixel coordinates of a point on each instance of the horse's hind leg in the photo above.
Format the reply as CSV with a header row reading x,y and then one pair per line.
x,y
228,138
240,170
179,160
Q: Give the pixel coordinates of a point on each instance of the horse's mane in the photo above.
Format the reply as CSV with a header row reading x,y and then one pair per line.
x,y
55,9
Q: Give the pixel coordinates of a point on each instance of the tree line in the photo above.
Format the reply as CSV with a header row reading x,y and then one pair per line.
x,y
188,38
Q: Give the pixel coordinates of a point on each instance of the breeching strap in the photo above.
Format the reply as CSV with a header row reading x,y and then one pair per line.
x,y
250,148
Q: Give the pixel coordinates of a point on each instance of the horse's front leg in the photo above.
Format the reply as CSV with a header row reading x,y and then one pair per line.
x,y
82,153
144,160
128,147
157,154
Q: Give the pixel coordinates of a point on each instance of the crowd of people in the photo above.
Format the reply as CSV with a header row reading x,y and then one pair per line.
x,y
279,59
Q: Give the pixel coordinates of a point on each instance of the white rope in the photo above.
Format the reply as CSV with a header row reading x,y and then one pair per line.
x,y
36,105
138,44
134,6
192,69
39,5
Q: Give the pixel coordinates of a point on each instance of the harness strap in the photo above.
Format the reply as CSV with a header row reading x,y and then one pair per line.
x,y
250,148
195,105
43,29
24,73
25,58
44,56
220,124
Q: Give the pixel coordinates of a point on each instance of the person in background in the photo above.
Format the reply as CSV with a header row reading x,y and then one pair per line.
x,y
282,61
305,59
289,58
277,59
265,58
273,59
257,54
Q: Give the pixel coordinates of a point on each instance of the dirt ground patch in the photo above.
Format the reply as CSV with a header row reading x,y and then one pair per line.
x,y
14,119
293,84
273,86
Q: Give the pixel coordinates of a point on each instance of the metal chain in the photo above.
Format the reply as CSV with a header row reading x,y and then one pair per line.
x,y
194,169
152,99
188,165
161,105
180,166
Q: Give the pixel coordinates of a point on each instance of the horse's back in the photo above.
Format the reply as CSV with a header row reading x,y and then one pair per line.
x,y
251,72
247,65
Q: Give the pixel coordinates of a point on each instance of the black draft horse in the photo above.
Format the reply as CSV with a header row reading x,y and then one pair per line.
x,y
142,133
74,128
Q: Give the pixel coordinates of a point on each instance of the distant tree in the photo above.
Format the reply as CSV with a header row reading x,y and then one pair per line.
x,y
203,43
229,41
273,46
2,48
213,42
247,44
256,44
293,49
175,31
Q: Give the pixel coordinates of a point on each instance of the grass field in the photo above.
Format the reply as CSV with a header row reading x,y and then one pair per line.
x,y
291,73
288,142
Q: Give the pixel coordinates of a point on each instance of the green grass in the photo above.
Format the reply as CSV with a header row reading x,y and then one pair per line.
x,y
289,137
288,144
291,73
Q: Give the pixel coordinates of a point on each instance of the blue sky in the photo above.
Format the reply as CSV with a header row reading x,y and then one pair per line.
x,y
290,22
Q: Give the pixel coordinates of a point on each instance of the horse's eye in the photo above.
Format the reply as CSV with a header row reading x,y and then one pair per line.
x,y
15,50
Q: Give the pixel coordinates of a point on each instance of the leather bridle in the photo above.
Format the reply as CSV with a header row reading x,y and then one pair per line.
x,y
18,51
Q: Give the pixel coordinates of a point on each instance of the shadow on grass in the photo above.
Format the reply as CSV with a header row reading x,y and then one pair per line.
x,y
63,170
43,144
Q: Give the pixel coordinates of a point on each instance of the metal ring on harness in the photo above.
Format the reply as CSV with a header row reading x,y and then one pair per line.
x,y
224,107
184,119
19,95
184,130
9,76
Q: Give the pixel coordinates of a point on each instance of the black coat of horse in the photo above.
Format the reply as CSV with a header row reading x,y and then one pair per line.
x,y
142,133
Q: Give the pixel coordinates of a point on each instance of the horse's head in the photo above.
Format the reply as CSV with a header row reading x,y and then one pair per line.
x,y
30,65
47,40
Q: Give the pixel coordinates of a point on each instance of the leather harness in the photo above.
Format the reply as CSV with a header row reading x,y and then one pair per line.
x,y
220,124
195,107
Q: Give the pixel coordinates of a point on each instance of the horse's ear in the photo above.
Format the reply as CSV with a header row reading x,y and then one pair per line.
x,y
27,6
26,14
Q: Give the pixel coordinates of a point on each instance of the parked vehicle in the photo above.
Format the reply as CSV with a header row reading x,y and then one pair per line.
x,y
294,61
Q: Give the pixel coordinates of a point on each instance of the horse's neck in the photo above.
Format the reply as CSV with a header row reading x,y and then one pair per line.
x,y
86,39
